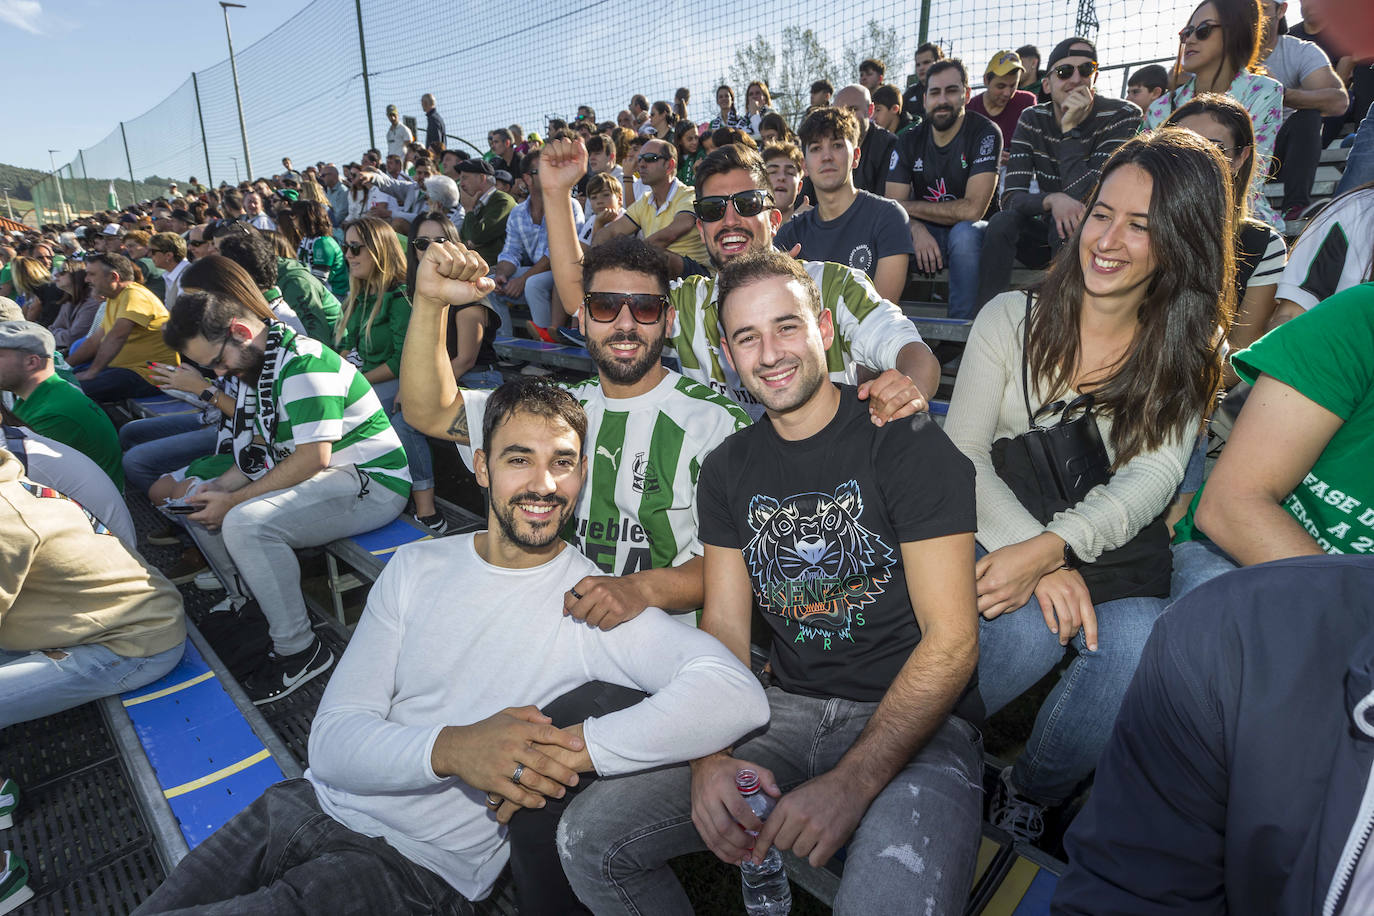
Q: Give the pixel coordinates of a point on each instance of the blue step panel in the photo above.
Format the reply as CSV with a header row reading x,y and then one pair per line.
x,y
386,540
209,762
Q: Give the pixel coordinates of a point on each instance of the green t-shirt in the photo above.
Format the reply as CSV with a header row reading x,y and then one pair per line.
x,y
61,411
380,343
325,258
309,298
1327,356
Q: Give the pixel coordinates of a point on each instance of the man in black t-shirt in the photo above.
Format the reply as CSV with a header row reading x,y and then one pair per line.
x,y
847,225
944,173
856,542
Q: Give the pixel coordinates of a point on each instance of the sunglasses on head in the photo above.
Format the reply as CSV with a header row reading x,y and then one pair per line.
x,y
747,204
645,308
354,248
421,243
1203,31
1064,71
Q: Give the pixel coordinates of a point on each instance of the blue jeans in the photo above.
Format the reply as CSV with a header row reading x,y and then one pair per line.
x,y
418,455
481,378
1017,649
283,855
34,685
1196,562
159,445
961,248
917,842
1359,168
538,296
113,384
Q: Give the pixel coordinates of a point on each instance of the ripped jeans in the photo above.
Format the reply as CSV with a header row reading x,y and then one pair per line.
x,y
915,849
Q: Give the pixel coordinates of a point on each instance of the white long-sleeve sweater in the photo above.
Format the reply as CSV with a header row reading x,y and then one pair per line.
x,y
449,639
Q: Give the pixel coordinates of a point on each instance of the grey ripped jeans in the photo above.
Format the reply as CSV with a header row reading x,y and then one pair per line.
x,y
915,849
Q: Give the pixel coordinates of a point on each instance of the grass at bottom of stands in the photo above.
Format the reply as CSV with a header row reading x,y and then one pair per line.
x,y
714,888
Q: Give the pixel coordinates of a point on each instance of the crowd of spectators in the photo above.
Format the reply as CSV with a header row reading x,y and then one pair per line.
x,y
755,445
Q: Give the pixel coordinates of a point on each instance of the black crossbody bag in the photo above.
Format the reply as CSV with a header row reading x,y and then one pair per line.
x,y
1051,468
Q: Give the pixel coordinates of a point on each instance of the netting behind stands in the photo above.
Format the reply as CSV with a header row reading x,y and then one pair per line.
x,y
492,64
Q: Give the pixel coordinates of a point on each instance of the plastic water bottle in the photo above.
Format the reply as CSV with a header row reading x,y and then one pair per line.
x,y
765,887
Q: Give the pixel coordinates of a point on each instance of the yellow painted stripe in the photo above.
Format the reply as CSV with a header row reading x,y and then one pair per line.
x,y
216,776
986,850
1013,888
386,550
166,691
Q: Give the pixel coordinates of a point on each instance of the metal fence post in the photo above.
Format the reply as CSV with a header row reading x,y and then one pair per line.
x,y
367,86
209,178
925,22
86,180
133,185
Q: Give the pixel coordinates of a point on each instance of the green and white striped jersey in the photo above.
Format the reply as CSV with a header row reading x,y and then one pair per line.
x,y
869,330
321,397
638,508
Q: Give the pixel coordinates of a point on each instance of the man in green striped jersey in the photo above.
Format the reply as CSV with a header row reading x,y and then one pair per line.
x,y
736,215
648,429
315,459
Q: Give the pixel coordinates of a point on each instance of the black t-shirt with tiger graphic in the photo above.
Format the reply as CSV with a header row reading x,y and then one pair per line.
x,y
820,523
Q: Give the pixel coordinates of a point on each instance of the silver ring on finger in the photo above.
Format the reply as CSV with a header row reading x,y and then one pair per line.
x,y
519,771
493,800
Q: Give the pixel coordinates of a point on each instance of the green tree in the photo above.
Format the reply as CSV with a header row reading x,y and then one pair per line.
x,y
803,61
879,43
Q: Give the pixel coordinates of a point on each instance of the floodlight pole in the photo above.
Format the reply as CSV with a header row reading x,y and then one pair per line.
x,y
233,68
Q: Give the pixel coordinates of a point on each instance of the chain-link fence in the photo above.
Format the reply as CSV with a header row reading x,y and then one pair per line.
x,y
491,64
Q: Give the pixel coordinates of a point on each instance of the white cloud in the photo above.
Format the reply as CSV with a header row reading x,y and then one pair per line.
x,y
22,14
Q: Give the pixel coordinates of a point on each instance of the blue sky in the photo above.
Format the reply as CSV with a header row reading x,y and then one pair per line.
x,y
89,64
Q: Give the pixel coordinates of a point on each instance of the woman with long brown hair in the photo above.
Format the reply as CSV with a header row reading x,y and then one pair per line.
x,y
1133,311
79,307
1218,51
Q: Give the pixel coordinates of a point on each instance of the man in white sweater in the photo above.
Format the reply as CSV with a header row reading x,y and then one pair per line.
x,y
432,718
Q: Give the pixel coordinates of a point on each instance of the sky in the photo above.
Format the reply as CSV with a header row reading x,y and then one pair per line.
x,y
97,62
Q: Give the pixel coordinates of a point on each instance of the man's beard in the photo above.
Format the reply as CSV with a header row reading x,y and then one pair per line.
x,y
618,371
811,374
256,358
943,117
505,520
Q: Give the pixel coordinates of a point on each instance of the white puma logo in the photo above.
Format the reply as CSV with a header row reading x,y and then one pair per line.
x,y
612,457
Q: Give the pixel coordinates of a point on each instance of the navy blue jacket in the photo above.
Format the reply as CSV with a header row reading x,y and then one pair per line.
x,y
1237,768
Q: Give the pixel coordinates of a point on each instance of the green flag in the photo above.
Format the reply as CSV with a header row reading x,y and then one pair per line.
x,y
112,199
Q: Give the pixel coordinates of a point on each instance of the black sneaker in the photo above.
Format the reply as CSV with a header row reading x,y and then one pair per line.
x,y
436,523
280,676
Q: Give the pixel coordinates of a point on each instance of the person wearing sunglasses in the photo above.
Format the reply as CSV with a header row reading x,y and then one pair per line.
x,y
815,521
662,215
1061,146
471,328
1218,51
736,214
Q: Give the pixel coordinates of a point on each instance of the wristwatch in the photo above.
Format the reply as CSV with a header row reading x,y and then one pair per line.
x,y
1071,560
208,395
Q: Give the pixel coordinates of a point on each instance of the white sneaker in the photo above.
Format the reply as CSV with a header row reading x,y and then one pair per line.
x,y
536,371
207,581
223,607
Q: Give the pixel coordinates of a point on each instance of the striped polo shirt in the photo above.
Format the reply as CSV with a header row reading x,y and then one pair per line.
x,y
321,397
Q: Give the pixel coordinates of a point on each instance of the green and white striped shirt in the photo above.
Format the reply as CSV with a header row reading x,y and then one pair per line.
x,y
322,398
869,330
638,508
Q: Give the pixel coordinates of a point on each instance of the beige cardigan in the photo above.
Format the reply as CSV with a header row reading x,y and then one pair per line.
x,y
988,405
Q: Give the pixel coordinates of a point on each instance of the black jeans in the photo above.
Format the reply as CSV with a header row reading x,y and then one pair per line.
x,y
1298,149
283,855
541,889
1012,235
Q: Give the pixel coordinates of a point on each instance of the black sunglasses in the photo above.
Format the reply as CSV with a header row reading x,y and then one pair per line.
x,y
421,243
651,157
355,248
1203,31
1064,71
747,204
645,308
